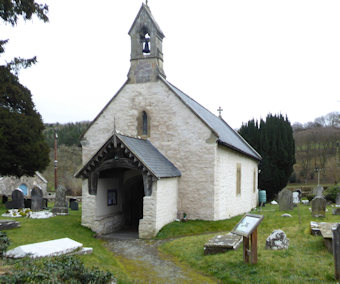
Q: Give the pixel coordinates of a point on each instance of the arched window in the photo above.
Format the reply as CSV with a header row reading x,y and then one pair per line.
x,y
145,123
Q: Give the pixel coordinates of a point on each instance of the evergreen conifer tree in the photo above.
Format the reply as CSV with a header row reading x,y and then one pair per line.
x,y
273,140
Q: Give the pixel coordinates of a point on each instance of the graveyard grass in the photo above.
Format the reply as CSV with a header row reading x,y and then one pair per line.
x,y
306,259
39,230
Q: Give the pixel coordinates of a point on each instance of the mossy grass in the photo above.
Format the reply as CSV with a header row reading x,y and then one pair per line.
x,y
39,230
306,260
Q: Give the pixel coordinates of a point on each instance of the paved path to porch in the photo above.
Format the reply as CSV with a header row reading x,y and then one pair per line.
x,y
144,263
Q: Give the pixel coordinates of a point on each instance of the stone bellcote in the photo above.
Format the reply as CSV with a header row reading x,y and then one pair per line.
x,y
146,48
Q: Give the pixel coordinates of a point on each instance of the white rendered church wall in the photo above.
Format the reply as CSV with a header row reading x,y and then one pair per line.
x,y
88,207
102,207
174,129
166,209
227,202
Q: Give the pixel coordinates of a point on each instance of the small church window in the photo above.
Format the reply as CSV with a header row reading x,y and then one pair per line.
x,y
238,179
254,180
145,123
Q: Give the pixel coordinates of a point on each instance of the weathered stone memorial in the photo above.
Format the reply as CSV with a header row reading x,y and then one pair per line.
x,y
318,191
8,224
319,206
285,200
37,199
17,201
336,250
222,243
277,240
337,200
60,205
49,248
297,196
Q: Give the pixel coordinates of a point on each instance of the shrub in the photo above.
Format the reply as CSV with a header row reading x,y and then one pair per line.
x,y
4,243
331,193
62,269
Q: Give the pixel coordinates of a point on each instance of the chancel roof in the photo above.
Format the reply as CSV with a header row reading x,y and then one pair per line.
x,y
141,153
226,135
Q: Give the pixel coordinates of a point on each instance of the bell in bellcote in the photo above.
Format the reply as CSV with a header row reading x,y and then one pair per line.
x,y
146,48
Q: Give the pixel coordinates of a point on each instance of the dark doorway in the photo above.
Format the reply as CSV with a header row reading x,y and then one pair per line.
x,y
133,202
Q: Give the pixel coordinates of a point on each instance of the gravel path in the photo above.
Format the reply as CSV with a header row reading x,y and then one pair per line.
x,y
145,264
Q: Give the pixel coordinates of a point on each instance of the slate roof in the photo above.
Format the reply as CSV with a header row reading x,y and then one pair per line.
x,y
226,135
142,150
148,154
147,9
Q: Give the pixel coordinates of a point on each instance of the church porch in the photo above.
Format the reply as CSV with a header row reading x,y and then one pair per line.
x,y
130,184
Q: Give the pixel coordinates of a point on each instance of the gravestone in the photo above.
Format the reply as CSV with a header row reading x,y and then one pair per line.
x,y
17,201
318,191
74,205
296,198
285,200
319,206
337,201
222,243
8,224
37,199
336,250
60,205
71,200
277,240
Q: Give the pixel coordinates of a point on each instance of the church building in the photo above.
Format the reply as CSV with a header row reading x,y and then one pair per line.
x,y
153,154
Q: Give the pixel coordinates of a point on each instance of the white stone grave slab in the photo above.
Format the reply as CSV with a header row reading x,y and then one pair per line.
x,y
43,249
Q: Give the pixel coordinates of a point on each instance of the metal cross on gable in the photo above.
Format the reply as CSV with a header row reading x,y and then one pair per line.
x,y
219,111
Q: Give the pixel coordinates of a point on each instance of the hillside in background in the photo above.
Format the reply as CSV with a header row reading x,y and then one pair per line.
x,y
317,147
68,155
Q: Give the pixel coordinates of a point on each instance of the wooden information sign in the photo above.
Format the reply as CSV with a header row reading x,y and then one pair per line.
x,y
247,228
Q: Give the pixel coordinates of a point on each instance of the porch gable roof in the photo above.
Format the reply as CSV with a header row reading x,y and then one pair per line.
x,y
140,151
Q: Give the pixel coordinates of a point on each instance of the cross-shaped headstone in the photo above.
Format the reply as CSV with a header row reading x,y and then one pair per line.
x,y
146,2
219,111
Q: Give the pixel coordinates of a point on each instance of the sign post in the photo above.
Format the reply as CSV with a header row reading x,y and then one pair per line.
x,y
247,228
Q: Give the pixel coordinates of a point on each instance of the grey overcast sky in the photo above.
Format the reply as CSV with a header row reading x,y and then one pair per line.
x,y
250,57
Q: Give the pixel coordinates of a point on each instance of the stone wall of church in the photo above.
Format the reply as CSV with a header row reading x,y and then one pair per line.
x,y
227,202
177,133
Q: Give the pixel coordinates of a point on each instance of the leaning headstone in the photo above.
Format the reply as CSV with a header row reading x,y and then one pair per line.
x,y
37,199
277,240
336,250
17,200
285,200
336,211
222,243
318,191
74,205
319,206
60,205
